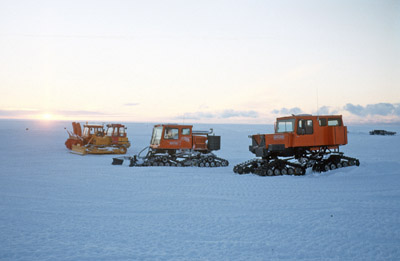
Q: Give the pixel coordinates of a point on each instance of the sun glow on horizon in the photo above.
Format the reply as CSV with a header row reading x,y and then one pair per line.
x,y
46,116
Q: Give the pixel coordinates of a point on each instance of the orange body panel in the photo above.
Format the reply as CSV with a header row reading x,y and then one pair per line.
x,y
279,138
199,142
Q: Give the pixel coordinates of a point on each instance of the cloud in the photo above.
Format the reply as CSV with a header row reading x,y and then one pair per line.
x,y
196,116
18,113
326,110
286,111
232,113
382,109
355,109
226,114
79,113
34,113
132,104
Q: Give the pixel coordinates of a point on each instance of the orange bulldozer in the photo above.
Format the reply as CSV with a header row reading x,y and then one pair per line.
x,y
96,140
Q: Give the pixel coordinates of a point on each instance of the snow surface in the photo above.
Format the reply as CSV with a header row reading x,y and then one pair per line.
x,y
55,205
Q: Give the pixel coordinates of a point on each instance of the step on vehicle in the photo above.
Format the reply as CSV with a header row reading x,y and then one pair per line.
x,y
179,146
299,142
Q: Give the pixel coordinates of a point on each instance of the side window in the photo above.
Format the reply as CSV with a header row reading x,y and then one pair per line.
x,y
285,126
305,127
185,131
322,122
121,131
334,122
309,127
300,129
171,134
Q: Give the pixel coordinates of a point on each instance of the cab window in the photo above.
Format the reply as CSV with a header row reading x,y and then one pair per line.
x,y
99,132
171,134
322,122
305,127
334,122
110,132
121,131
285,126
185,131
156,137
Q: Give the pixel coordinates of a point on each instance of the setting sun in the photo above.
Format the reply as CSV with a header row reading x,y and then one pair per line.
x,y
46,116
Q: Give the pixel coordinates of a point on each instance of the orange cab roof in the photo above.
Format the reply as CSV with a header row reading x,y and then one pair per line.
x,y
308,116
173,125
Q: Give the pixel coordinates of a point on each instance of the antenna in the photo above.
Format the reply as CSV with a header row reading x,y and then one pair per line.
x,y
317,102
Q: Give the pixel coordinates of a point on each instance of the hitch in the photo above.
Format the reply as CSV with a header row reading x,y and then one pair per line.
x,y
120,160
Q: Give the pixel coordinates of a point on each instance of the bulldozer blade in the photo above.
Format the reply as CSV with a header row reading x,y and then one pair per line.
x,y
117,161
77,149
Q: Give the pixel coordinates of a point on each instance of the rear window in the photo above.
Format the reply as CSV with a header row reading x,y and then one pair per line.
x,y
334,122
185,131
330,122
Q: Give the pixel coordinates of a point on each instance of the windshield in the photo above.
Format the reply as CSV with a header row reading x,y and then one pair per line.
x,y
85,132
110,131
156,137
285,126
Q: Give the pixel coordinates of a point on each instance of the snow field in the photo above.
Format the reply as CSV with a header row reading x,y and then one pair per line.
x,y
55,205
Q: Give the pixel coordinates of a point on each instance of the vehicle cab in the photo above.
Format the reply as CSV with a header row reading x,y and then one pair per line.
x,y
301,132
171,137
309,131
117,133
91,129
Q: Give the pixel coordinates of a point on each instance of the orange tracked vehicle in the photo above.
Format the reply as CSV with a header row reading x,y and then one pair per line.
x,y
96,140
178,145
299,142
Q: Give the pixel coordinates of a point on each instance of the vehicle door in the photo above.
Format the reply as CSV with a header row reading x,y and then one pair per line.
x,y
304,133
186,138
172,138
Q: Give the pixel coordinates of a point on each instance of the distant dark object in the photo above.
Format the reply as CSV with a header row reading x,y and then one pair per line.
x,y
382,132
27,128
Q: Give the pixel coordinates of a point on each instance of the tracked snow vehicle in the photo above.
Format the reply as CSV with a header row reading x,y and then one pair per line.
x,y
178,145
299,142
96,140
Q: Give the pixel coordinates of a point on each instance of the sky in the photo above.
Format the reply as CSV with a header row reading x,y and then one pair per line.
x,y
199,61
